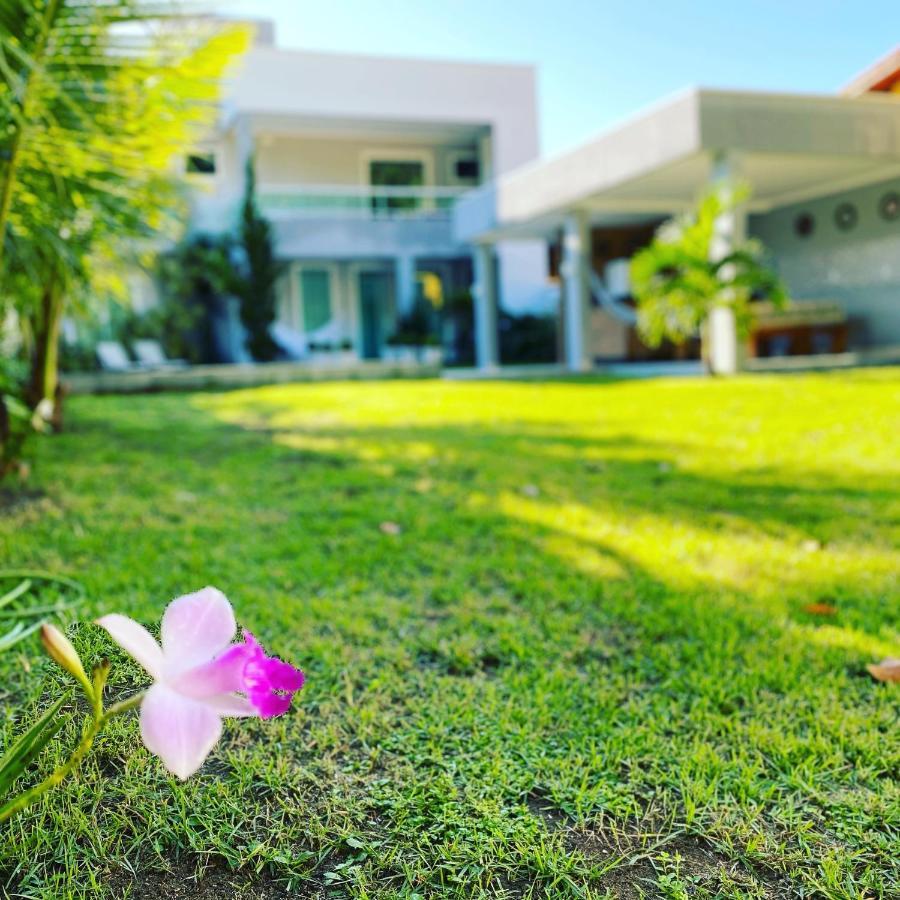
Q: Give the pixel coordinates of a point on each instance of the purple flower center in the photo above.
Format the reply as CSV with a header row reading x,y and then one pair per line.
x,y
269,683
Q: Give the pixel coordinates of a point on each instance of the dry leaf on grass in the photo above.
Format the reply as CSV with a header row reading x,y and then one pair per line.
x,y
820,609
886,670
390,528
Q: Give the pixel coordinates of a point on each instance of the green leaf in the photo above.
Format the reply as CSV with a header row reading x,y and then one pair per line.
x,y
15,593
29,744
17,633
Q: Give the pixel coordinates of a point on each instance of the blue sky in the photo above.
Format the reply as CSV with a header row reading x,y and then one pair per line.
x,y
600,60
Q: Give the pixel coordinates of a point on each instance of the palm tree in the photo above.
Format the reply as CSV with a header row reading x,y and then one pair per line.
x,y
96,100
678,280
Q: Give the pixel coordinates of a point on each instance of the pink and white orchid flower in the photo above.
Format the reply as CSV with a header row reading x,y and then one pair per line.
x,y
200,676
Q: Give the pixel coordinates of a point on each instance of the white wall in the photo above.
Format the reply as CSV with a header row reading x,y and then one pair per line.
x,y
379,89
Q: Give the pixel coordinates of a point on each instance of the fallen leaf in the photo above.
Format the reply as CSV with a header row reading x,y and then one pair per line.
x,y
820,609
390,528
886,670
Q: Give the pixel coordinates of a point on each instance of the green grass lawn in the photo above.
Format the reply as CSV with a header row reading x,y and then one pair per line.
x,y
583,668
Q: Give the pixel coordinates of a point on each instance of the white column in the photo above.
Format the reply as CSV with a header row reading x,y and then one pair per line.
x,y
405,284
725,351
484,296
576,291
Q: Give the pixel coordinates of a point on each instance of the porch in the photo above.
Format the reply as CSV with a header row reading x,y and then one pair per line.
x,y
334,311
806,159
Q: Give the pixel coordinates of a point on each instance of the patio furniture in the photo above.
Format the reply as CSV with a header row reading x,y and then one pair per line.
x,y
803,328
113,357
292,344
151,355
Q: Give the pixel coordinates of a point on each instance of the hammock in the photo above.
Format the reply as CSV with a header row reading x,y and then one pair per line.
x,y
616,308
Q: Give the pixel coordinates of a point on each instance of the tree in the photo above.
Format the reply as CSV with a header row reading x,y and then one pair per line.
x,y
195,276
256,286
679,279
96,100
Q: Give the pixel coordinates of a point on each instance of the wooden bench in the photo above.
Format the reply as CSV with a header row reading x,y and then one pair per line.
x,y
803,328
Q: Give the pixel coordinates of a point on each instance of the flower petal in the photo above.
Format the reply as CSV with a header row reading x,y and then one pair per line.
x,y
231,705
135,640
222,675
179,730
266,677
269,704
196,628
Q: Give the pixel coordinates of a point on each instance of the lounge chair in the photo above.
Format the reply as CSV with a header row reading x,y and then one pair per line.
x,y
113,358
292,344
151,355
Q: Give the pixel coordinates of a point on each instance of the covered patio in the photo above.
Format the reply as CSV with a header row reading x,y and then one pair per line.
x,y
789,149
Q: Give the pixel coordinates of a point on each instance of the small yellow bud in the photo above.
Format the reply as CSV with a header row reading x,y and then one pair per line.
x,y
60,649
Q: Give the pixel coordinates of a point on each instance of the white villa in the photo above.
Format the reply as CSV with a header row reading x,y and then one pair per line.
x,y
359,162
388,179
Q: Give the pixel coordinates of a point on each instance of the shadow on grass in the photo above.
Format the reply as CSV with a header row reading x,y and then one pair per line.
x,y
580,616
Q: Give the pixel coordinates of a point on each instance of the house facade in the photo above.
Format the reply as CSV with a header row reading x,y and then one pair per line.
x,y
397,184
359,162
824,172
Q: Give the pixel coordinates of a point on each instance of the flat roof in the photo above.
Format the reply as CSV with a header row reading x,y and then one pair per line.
x,y
789,148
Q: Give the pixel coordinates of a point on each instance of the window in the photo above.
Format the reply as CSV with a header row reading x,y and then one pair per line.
x,y
315,298
402,174
201,164
467,169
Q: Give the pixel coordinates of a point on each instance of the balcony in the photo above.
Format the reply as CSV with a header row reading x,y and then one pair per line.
x,y
358,202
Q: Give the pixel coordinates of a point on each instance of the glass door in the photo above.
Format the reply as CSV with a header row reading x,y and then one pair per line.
x,y
374,296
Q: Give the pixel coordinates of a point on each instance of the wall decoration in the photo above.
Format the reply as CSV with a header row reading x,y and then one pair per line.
x,y
889,206
846,216
804,225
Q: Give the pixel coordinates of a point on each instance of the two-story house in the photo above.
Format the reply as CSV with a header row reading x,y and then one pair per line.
x,y
359,162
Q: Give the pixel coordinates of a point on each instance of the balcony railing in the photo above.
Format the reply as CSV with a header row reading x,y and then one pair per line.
x,y
359,202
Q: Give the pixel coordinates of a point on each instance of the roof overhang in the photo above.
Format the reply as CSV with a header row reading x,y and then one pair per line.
x,y
271,126
789,148
883,75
